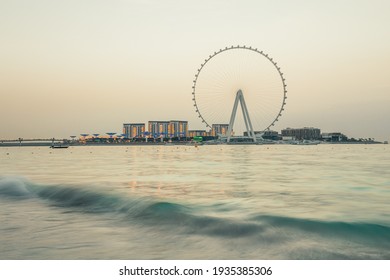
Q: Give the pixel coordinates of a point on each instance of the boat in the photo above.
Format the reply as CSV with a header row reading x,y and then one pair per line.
x,y
59,146
306,142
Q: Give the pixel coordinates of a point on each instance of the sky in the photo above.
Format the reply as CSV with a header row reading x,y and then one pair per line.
x,y
88,66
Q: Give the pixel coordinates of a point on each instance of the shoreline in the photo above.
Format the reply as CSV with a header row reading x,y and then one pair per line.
x,y
6,145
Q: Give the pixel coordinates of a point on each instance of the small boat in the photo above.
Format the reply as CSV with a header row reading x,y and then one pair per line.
x,y
59,146
306,142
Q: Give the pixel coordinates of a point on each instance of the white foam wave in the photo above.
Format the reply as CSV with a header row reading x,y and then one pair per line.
x,y
14,187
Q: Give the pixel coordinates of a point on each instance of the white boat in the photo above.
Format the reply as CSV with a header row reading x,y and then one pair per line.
x,y
59,146
307,142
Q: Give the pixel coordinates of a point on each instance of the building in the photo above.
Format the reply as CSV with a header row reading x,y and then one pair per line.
x,y
334,137
267,134
306,133
219,129
133,130
178,129
271,135
193,133
158,128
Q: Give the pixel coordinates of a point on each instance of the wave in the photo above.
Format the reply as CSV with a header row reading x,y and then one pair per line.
x,y
14,187
331,229
146,211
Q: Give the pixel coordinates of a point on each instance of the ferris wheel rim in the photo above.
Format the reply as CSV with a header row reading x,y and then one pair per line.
x,y
278,115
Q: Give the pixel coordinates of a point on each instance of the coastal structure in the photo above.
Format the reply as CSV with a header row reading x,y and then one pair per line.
x,y
178,128
271,135
333,137
133,130
172,128
305,133
219,129
194,133
158,128
268,134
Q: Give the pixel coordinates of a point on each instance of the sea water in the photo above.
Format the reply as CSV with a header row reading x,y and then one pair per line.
x,y
184,202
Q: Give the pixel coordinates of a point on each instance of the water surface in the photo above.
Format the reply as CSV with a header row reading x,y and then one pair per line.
x,y
182,202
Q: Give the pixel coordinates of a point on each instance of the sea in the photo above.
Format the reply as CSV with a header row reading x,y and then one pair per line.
x,y
276,202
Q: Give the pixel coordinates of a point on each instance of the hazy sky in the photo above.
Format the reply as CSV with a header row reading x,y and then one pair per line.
x,y
88,66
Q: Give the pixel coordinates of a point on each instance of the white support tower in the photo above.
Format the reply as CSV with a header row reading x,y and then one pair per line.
x,y
247,120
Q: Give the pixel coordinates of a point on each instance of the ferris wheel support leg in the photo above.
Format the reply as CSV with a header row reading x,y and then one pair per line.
x,y
247,119
244,113
233,116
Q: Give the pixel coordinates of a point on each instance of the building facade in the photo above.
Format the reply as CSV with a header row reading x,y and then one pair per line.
x,y
267,134
193,133
133,130
158,128
178,129
219,129
334,137
306,133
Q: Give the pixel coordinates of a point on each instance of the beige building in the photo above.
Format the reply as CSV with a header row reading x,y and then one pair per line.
x,y
158,128
178,129
134,130
217,129
193,133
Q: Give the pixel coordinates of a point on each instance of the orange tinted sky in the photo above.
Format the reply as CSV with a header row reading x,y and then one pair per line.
x,y
71,67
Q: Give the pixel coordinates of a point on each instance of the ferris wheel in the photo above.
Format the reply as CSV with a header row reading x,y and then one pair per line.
x,y
239,75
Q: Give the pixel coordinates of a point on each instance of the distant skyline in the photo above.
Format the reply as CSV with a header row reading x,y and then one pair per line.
x,y
83,66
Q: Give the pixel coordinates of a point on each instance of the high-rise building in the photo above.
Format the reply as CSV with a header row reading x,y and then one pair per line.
x,y
178,129
158,128
133,130
306,133
217,129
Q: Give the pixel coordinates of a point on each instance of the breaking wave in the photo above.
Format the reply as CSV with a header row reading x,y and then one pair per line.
x,y
167,215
